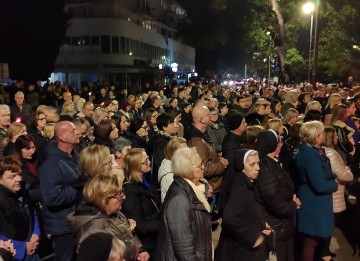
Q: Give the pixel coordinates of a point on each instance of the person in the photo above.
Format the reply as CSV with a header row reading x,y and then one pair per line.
x,y
216,130
315,219
15,130
59,178
165,175
18,219
99,115
101,212
333,100
106,133
150,117
121,147
101,247
68,110
123,124
4,124
290,117
290,101
276,190
138,133
234,137
36,130
7,250
141,202
94,160
87,111
185,234
243,220
21,111
343,176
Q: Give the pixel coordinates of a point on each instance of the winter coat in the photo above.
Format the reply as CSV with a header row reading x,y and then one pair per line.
x,y
214,169
276,190
242,222
217,135
315,216
25,114
59,175
88,220
165,177
230,144
142,205
343,175
186,234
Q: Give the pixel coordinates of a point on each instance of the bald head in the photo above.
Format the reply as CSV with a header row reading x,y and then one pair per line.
x,y
201,117
66,134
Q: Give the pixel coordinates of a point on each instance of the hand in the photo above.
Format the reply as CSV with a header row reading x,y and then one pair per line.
x,y
297,201
224,161
8,246
210,191
267,230
132,224
143,256
32,244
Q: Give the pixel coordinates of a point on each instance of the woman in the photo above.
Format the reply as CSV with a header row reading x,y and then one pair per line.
x,y
121,147
150,117
141,202
333,100
138,133
123,124
343,176
18,219
243,220
185,233
344,132
315,219
177,119
99,115
15,130
37,128
290,117
251,134
303,100
165,174
173,105
106,133
277,193
101,212
136,110
68,111
290,101
95,159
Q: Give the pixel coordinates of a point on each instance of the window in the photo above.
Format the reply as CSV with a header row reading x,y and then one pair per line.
x,y
105,44
95,40
115,44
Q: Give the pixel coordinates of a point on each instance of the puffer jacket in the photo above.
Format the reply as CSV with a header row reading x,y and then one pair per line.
x,y
88,219
343,174
277,190
185,234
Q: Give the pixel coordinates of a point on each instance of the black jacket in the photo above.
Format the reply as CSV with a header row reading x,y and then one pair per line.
x,y
142,205
230,144
276,191
186,234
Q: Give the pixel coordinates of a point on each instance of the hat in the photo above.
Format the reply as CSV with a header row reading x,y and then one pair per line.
x,y
136,124
267,142
235,121
95,247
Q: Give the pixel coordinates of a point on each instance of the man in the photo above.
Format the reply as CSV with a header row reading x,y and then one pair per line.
x,y
4,124
87,112
21,111
233,138
157,104
60,188
240,105
66,96
213,163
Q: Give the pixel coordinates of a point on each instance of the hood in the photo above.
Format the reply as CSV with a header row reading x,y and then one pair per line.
x,y
164,169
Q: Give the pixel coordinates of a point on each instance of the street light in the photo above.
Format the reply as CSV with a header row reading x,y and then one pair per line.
x,y
269,58
309,8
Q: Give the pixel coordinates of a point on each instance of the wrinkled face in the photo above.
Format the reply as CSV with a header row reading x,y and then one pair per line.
x,y
122,153
71,135
198,167
214,116
19,99
88,110
252,167
4,118
28,152
145,163
114,134
11,180
114,203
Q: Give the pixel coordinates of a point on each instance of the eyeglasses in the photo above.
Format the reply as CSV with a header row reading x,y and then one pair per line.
x,y
146,162
155,116
42,119
119,196
144,127
201,167
108,163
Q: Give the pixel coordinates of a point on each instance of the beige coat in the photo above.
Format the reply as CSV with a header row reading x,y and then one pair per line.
x,y
343,174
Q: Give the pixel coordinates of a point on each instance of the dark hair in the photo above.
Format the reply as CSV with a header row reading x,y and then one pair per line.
x,y
294,130
301,96
147,115
10,163
312,115
103,130
222,105
164,120
22,142
35,118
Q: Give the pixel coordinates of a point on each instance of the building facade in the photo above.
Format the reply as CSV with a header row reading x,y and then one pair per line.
x,y
124,41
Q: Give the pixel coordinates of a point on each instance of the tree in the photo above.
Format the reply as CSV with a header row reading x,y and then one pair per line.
x,y
32,32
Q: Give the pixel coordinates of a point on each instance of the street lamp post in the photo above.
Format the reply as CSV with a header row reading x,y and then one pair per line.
x,y
308,8
269,57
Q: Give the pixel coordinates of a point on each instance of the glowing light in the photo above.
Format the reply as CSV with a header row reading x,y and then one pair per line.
x,y
308,8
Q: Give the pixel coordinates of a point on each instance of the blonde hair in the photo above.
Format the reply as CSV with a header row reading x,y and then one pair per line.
x,y
334,99
98,111
50,113
310,130
172,146
99,189
133,164
328,137
49,130
290,94
289,114
118,250
65,111
15,128
274,124
313,105
92,158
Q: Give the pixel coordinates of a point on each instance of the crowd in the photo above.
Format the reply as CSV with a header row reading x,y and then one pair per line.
x,y
105,173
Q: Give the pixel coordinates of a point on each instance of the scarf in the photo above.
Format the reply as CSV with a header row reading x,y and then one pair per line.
x,y
199,194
